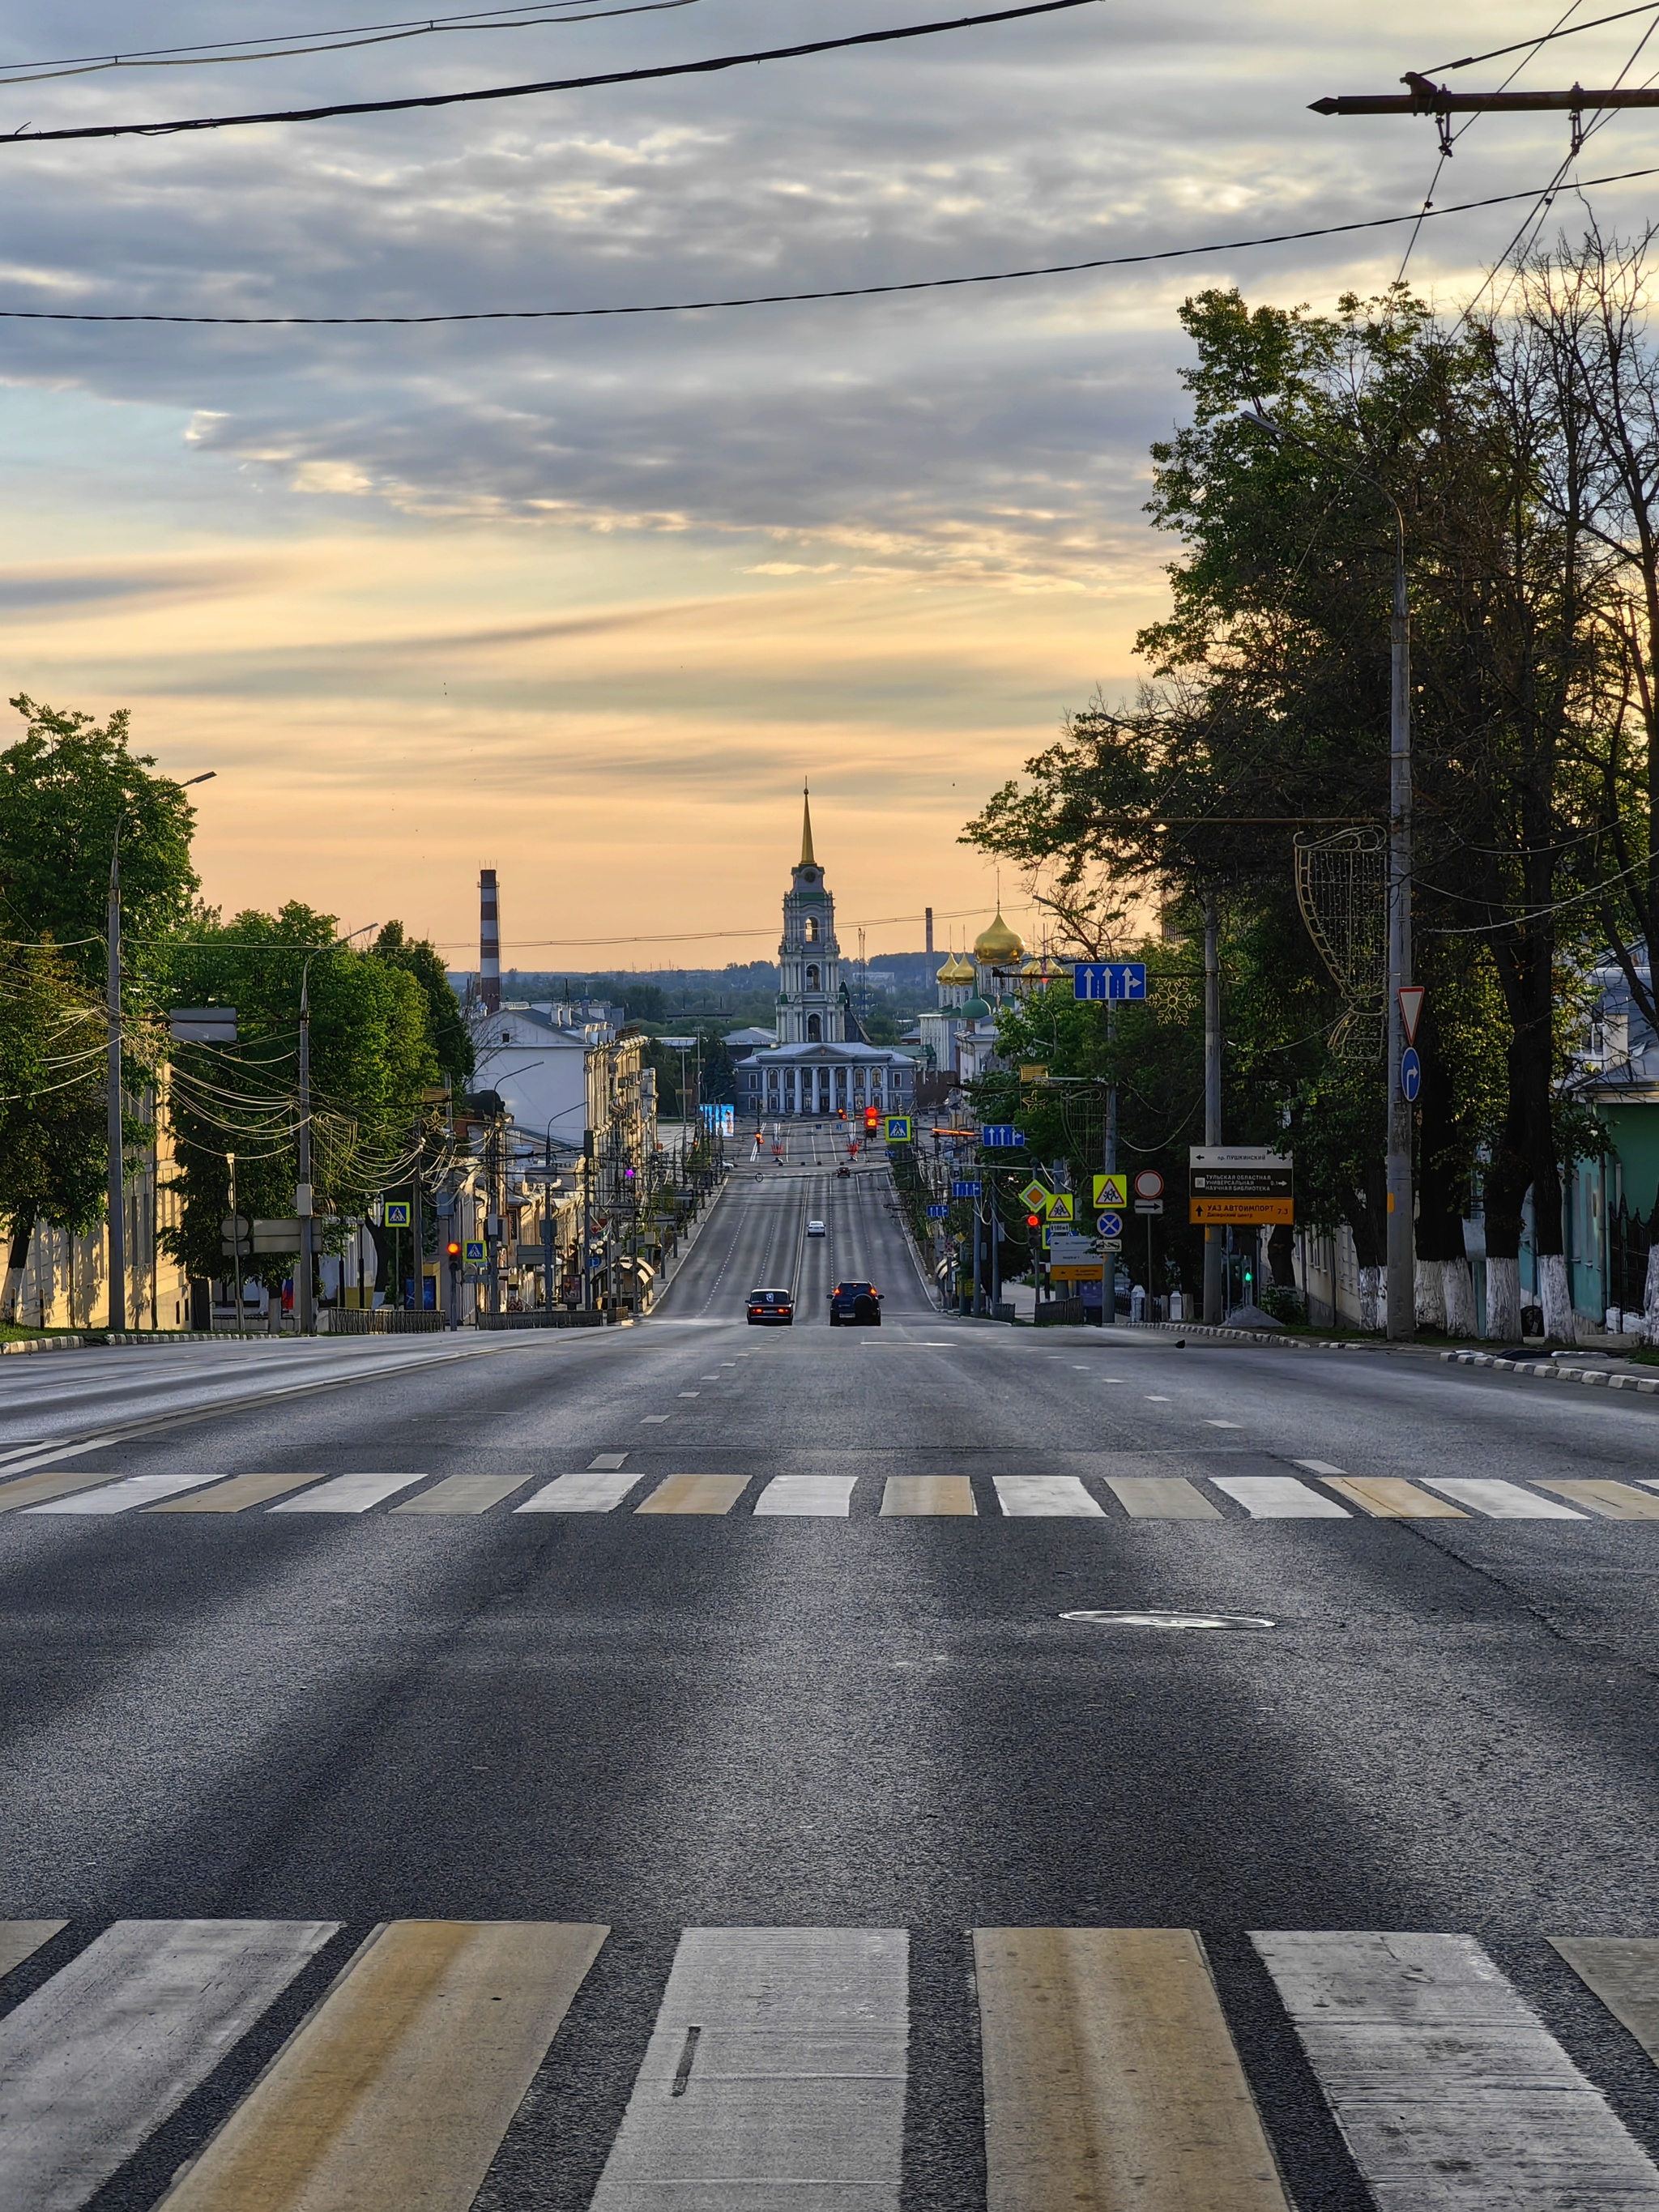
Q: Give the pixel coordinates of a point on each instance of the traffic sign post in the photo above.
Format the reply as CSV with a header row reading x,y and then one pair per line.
x,y
938,1212
1411,1074
1109,979
1062,1211
1411,996
970,1188
1111,1224
1002,1137
1111,1190
1037,1196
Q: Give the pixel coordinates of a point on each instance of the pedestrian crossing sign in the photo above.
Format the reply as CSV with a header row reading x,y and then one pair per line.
x,y
1111,1193
1061,1209
1036,1196
898,1129
474,1252
397,1213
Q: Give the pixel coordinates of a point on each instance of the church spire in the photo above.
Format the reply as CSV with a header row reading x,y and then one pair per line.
x,y
807,857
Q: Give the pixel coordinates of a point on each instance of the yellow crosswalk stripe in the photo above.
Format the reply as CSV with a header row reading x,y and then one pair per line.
x,y
1615,1501
695,1493
916,1494
1161,1497
465,1493
36,1489
1388,1498
1111,2081
395,2095
237,1494
1624,1973
22,1939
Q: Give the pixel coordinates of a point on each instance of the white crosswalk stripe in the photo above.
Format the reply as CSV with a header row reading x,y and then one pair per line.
x,y
348,1493
826,1496
1502,1501
1280,1498
1049,1497
775,2074
123,1497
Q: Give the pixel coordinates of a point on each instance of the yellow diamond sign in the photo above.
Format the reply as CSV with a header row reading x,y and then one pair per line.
x,y
1036,1196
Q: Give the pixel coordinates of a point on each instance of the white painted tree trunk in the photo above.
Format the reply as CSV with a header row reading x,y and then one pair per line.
x,y
1650,1297
1431,1298
1371,1284
1504,1300
1457,1280
1555,1296
12,1296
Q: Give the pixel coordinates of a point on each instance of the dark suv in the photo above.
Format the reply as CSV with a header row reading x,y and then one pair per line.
x,y
854,1302
771,1306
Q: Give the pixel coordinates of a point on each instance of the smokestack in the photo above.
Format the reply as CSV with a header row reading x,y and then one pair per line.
x,y
489,943
930,929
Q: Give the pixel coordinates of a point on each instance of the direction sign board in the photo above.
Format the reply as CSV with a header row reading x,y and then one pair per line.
x,y
397,1213
1238,1183
937,1212
1069,1245
1149,1205
1001,1137
1112,1190
1410,1075
970,1187
1062,1207
898,1129
1109,979
1079,1271
1035,1197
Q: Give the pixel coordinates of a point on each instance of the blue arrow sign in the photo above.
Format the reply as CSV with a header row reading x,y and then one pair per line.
x,y
966,1189
1109,979
1411,1074
937,1212
1001,1137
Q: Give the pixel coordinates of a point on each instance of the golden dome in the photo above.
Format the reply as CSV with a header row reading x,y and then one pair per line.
x,y
957,969
998,945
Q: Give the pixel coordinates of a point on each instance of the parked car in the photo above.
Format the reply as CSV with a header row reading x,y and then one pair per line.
x,y
770,1308
815,1228
855,1304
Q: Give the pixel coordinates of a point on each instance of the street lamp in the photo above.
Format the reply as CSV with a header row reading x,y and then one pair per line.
x,y
116,1179
1401,1267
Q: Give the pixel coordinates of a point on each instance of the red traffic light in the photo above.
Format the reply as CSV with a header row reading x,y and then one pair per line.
x,y
453,1251
1034,1221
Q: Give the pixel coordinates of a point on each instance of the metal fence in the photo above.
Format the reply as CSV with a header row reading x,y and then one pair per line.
x,y
1630,1239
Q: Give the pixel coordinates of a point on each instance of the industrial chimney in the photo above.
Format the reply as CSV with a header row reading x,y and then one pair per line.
x,y
930,929
489,943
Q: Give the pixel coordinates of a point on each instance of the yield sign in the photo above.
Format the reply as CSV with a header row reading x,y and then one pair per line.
x,y
1411,996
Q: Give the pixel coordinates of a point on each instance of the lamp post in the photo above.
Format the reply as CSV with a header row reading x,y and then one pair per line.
x,y
116,1179
1401,1232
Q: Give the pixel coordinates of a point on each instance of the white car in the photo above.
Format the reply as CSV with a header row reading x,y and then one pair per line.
x,y
815,1228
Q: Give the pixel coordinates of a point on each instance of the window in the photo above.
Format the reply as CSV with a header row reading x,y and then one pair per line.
x,y
812,977
814,1029
812,929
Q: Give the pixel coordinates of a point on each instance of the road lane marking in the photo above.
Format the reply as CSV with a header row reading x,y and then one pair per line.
x,y
1280,1498
608,1463
652,1419
1614,1501
126,1495
23,1491
398,2090
1110,2077
464,1493
908,1495
236,1494
829,1496
579,1493
1448,2089
691,1394
695,1493
795,2090
1503,1501
1046,1497
1383,1496
348,1493
1161,1497
1223,1424
99,2056
22,1939
1622,1970
1153,1399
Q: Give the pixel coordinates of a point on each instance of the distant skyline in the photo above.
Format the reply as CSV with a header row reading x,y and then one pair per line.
x,y
582,601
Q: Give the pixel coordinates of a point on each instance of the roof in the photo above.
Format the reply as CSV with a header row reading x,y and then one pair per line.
x,y
998,942
958,968
781,1055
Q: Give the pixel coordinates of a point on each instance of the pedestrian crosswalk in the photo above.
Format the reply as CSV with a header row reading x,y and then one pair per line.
x,y
1318,1491
1110,2069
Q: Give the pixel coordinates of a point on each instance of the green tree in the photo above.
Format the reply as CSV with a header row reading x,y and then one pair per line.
x,y
52,1123
445,1022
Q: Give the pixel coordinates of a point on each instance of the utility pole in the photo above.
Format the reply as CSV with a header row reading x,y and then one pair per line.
x,y
1212,1247
302,1309
118,1200
1402,1274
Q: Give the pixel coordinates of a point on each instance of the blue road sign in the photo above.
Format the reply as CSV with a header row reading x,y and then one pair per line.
x,y
1109,1224
474,1251
395,1215
937,1212
1411,1074
1109,979
1001,1137
967,1189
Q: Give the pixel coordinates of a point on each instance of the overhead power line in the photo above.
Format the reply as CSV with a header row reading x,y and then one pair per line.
x,y
793,299
1542,39
280,46
708,68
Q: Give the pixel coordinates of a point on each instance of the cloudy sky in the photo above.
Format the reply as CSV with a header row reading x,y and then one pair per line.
x,y
585,600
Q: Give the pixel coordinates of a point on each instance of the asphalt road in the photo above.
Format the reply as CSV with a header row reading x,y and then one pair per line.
x,y
680,1720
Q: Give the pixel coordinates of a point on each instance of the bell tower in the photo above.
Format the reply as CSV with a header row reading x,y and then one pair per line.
x,y
810,1010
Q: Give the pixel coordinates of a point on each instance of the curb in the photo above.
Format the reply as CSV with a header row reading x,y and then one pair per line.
x,y
44,1343
1593,1377
1286,1343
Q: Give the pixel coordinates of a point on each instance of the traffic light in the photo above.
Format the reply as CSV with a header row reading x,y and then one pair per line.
x,y
454,1254
1034,1221
872,1117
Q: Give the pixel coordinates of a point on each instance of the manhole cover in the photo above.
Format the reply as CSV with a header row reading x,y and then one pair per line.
x,y
1168,1619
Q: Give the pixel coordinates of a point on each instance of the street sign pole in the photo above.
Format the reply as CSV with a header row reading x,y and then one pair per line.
x,y
1211,1100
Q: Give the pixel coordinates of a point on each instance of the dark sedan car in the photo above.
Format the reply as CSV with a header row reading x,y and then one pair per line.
x,y
855,1303
771,1306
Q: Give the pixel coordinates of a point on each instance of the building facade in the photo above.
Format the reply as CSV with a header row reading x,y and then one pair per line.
x,y
820,1066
